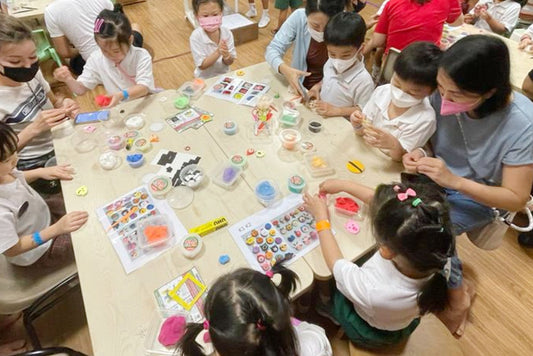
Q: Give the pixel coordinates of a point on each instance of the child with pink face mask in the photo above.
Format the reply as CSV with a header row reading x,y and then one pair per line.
x,y
212,45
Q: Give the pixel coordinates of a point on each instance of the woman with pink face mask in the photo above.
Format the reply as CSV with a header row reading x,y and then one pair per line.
x,y
483,145
212,46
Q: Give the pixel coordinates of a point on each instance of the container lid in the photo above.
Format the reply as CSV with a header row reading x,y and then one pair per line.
x,y
154,231
160,185
318,164
180,197
296,181
238,160
190,90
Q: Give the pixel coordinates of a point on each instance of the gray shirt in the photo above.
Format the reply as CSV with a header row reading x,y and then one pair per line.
x,y
478,149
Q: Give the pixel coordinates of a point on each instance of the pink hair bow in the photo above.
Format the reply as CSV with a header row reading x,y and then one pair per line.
x,y
269,274
408,193
98,25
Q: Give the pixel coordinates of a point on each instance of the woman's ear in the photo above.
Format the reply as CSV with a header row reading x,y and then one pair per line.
x,y
386,252
131,39
489,94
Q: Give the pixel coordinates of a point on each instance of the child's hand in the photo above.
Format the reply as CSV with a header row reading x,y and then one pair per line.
x,y
526,41
62,74
71,222
379,138
115,99
314,92
325,109
469,19
71,107
330,186
410,160
62,172
484,14
316,206
357,119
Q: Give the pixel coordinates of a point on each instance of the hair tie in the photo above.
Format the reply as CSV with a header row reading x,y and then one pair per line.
x,y
98,25
416,202
260,325
206,324
269,274
447,269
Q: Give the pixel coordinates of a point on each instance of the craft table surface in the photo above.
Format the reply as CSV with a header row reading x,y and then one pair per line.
x,y
119,307
337,140
521,61
38,13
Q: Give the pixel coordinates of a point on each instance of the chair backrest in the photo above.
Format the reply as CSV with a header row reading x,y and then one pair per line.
x,y
388,67
52,351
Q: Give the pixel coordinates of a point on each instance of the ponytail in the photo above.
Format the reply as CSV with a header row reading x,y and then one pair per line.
x,y
288,279
188,345
433,297
117,7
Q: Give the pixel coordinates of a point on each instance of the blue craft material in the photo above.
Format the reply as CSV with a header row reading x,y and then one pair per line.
x,y
223,259
135,160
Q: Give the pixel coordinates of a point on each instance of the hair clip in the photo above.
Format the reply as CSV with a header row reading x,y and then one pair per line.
x,y
98,25
206,324
269,274
260,325
416,202
396,188
408,193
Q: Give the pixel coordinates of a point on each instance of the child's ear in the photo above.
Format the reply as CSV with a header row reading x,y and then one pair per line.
x,y
131,39
386,252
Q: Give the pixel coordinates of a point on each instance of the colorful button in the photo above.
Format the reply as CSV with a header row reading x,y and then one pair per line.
x,y
298,233
264,232
82,191
355,166
274,248
305,229
254,233
275,223
283,247
278,240
270,240
269,255
291,238
268,226
250,240
264,247
255,249
313,235
272,232
288,227
259,240
260,258
265,266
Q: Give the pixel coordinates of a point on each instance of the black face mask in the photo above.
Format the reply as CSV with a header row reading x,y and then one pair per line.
x,y
21,74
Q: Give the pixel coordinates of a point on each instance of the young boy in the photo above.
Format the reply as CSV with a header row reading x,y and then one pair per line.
x,y
498,16
398,117
346,82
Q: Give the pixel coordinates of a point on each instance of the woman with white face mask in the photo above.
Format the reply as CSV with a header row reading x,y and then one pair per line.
x,y
304,28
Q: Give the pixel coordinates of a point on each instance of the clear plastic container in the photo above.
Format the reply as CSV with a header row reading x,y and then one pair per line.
x,y
289,138
83,141
180,197
296,184
191,89
109,160
267,192
192,175
226,174
152,346
115,142
318,164
154,231
290,118
159,186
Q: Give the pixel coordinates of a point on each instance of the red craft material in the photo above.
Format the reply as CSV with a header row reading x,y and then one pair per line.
x,y
345,204
172,330
102,100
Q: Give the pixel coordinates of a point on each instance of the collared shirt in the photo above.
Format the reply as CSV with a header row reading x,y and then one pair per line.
x,y
506,12
350,88
202,46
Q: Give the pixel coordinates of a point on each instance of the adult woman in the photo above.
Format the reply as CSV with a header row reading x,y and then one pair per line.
x,y
483,144
306,29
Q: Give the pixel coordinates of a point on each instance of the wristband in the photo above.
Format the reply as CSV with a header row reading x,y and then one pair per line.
x,y
37,238
423,151
125,94
323,225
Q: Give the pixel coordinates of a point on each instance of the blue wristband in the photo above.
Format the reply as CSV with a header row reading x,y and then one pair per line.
x,y
125,94
37,238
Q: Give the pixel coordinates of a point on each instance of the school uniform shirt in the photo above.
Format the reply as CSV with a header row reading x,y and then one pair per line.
x,y
350,88
528,33
21,105
505,12
381,295
75,19
135,68
202,46
412,129
22,212
406,21
311,338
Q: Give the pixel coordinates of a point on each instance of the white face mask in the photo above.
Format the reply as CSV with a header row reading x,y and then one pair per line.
x,y
403,100
317,36
342,65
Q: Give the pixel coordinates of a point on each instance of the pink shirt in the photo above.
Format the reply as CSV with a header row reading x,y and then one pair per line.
x,y
406,21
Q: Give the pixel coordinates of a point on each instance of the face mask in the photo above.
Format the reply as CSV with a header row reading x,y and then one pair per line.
x,y
403,100
342,65
317,36
448,107
210,23
21,74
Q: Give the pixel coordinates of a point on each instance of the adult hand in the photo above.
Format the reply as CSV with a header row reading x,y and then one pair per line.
x,y
71,222
293,77
325,109
330,186
314,92
436,169
410,160
316,206
62,74
62,172
357,119
379,138
524,42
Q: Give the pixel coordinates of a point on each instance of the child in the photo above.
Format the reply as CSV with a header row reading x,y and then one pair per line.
x,y
26,102
527,38
400,113
252,12
124,70
211,44
25,231
498,16
283,7
346,82
247,314
380,303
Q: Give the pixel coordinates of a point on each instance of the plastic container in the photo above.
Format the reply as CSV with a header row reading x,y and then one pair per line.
x,y
109,160
289,118
346,206
159,186
225,175
190,245
152,346
142,144
289,138
315,126
191,90
230,128
132,134
318,164
135,160
192,175
135,121
83,141
307,147
115,142
180,197
266,191
154,231
296,184
181,102
238,161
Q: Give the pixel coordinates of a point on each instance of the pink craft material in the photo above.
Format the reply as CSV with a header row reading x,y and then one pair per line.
x,y
352,227
172,330
102,100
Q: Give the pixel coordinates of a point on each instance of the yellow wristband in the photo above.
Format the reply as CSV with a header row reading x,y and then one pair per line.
x,y
322,225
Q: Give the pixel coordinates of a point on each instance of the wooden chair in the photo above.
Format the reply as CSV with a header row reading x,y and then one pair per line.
x,y
388,66
52,351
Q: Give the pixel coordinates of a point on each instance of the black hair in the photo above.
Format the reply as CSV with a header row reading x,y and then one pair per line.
x,y
113,25
419,63
196,4
345,29
8,141
479,64
421,233
248,316
328,7
13,30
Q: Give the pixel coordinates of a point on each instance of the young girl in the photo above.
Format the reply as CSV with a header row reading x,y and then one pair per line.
x,y
25,231
380,303
212,47
400,114
247,314
26,103
498,16
124,70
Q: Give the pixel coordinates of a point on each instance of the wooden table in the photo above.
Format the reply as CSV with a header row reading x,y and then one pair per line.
x,y
521,61
29,9
119,307
337,140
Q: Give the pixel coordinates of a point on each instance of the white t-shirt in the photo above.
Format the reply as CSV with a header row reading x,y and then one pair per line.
x,y
347,89
381,295
22,104
413,128
505,12
312,339
135,68
22,212
75,19
202,46
528,33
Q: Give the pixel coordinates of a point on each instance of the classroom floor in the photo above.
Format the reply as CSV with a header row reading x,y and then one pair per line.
x,y
501,321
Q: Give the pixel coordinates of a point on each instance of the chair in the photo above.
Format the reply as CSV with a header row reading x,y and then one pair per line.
x,y
52,351
45,51
34,290
388,67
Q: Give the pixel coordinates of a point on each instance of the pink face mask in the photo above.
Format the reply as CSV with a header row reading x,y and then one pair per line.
x,y
448,107
210,23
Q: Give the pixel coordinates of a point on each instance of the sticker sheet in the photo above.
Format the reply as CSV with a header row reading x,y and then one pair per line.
x,y
284,232
172,163
120,219
189,118
237,91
